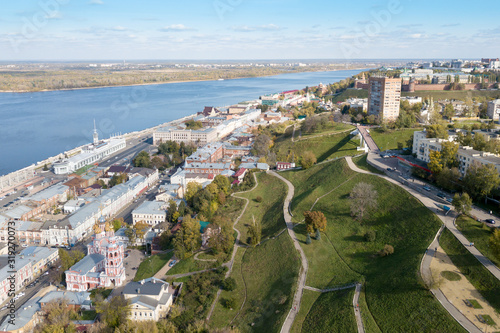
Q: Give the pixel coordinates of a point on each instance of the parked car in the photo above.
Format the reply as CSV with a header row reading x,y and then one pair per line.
x,y
173,262
427,188
450,200
490,221
441,195
389,169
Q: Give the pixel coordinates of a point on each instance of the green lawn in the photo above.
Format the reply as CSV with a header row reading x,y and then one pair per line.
x,y
88,315
308,299
267,276
332,312
361,163
368,321
191,265
395,295
152,265
331,128
484,282
350,93
479,234
324,147
458,94
269,211
390,139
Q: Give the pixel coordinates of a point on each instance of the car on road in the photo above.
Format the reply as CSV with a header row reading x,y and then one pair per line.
x,y
427,188
173,262
450,200
389,169
441,195
134,268
490,221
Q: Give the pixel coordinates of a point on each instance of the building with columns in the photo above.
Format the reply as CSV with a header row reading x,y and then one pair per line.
x,y
103,266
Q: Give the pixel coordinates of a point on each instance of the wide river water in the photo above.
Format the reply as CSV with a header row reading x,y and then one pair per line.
x,y
38,125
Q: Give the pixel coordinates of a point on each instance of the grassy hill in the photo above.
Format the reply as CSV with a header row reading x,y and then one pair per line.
x,y
395,295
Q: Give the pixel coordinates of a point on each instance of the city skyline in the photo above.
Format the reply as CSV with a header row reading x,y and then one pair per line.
x,y
229,29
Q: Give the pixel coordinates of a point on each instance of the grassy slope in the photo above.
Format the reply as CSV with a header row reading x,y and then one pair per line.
x,y
324,147
331,128
266,274
479,233
473,270
394,294
308,299
461,95
151,265
332,312
361,163
269,211
389,140
350,93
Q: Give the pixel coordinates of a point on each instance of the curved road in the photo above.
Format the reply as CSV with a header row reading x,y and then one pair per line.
x,y
287,325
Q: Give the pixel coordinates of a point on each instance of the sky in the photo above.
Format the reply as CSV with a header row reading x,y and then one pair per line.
x,y
248,29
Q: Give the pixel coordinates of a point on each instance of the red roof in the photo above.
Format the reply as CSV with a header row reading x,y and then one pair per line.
x,y
240,172
235,182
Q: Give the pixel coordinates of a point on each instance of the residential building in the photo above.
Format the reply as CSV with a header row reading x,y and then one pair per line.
x,y
41,258
103,265
27,317
13,279
284,165
75,300
494,110
384,95
150,212
198,137
150,299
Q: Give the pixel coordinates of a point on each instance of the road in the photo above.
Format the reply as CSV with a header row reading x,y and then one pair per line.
x,y
357,310
287,325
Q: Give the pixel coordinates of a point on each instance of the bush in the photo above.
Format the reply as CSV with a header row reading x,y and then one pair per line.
x,y
388,249
229,303
370,236
308,239
229,284
258,199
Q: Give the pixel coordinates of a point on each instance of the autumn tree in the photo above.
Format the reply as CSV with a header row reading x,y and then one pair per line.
x,y
437,131
57,318
222,183
480,179
314,220
363,198
448,179
188,238
191,189
222,241
114,312
462,203
140,229
118,223
308,159
435,162
449,151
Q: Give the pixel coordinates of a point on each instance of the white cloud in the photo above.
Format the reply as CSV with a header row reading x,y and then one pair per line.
x,y
265,27
416,36
176,27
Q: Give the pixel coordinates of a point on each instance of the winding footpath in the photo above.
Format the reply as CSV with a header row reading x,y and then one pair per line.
x,y
357,310
237,244
290,318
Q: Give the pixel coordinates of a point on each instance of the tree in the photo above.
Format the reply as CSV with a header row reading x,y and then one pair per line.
x,y
142,160
449,111
435,162
114,312
308,238
480,179
118,178
222,241
45,167
437,131
315,220
308,160
363,198
255,233
188,238
140,229
130,234
192,189
318,235
462,203
118,223
495,243
261,145
370,236
448,179
222,183
171,211
387,250
157,163
229,284
449,151
58,317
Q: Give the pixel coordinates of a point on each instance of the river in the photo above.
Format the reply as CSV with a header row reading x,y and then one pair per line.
x,y
38,125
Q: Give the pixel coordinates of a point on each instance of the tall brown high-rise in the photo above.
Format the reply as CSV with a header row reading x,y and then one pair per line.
x,y
384,96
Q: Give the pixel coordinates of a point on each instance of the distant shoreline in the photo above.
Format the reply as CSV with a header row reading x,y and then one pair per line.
x,y
169,82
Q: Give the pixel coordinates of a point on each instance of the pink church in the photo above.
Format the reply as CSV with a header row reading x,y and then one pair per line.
x,y
103,265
